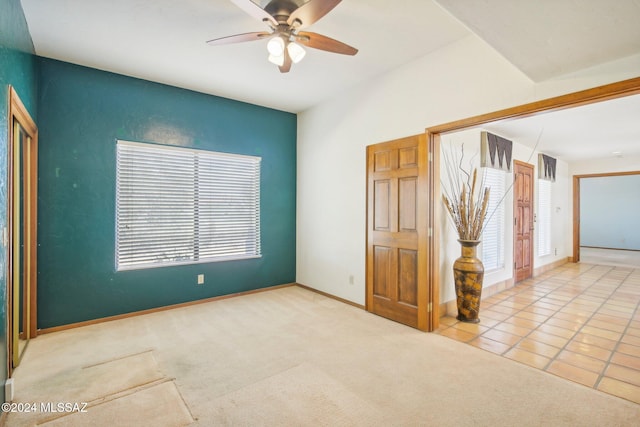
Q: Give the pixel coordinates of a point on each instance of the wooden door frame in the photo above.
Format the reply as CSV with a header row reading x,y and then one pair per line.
x,y
18,112
584,97
576,206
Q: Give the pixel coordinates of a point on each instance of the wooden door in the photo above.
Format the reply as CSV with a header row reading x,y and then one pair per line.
x,y
523,220
397,238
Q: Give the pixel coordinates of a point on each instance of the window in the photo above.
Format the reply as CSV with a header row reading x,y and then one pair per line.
x,y
544,217
181,206
493,234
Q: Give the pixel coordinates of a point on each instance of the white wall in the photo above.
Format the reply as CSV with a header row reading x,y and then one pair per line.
x,y
464,79
609,207
607,165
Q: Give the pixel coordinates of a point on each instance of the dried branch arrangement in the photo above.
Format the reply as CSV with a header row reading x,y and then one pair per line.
x,y
466,199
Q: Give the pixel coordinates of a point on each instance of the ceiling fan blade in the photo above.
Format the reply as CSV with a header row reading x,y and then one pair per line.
x,y
318,41
256,11
286,66
311,11
238,38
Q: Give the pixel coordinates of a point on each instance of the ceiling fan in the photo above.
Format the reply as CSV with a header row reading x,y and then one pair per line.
x,y
286,18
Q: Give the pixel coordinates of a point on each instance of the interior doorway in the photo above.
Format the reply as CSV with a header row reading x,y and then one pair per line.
x,y
589,96
577,227
22,188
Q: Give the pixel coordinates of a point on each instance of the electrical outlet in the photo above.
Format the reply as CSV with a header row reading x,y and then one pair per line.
x,y
351,279
200,279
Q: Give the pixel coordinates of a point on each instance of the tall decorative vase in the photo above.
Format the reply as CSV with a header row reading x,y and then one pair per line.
x,y
468,273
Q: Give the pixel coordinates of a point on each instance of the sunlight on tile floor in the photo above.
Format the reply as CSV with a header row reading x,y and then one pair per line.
x,y
579,321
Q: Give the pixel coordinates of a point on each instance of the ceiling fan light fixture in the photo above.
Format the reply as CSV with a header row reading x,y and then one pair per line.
x,y
296,52
277,59
276,46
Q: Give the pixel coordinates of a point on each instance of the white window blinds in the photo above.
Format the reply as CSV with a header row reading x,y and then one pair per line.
x,y
544,217
493,234
179,206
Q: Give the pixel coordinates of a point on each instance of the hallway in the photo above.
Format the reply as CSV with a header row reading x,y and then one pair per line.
x,y
578,321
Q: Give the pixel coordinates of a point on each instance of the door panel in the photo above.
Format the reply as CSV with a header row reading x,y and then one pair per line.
x,y
382,269
408,194
523,221
381,204
408,275
397,230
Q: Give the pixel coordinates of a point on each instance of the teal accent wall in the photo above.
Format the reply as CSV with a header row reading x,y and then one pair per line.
x,y
82,112
17,68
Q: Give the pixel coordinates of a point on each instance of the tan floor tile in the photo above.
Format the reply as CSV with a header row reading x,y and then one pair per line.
x,y
622,373
629,349
503,337
566,324
531,359
602,333
504,310
531,316
626,360
589,350
513,304
633,331
582,361
619,309
457,334
554,330
537,347
611,319
539,310
447,320
609,326
573,373
578,312
620,389
630,339
525,299
545,338
440,329
594,340
490,345
571,317
488,322
577,321
613,313
513,329
474,328
523,323
491,314
624,306
548,306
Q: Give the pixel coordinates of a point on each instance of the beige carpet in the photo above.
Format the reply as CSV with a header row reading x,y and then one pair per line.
x,y
159,405
83,395
293,357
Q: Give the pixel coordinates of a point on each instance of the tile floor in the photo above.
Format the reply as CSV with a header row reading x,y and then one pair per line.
x,y
579,321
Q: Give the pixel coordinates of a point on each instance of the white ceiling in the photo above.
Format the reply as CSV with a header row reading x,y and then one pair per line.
x,y
548,38
164,41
